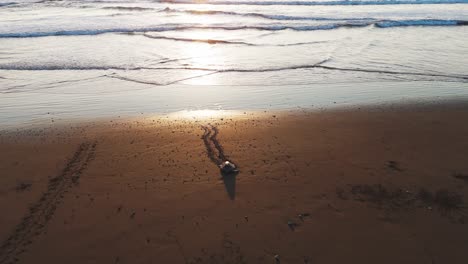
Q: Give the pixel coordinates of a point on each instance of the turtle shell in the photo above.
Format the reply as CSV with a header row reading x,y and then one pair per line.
x,y
228,167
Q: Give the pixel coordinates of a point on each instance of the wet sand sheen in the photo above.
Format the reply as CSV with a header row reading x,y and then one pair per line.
x,y
314,187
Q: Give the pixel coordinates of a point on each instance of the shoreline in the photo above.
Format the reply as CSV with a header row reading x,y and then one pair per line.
x,y
325,186
205,114
41,108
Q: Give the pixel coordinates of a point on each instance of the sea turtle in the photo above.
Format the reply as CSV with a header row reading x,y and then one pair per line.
x,y
228,167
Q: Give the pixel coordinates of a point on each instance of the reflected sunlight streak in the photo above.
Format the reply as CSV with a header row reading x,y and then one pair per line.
x,y
204,55
203,114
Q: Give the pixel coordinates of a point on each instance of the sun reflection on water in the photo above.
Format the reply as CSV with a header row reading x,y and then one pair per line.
x,y
203,57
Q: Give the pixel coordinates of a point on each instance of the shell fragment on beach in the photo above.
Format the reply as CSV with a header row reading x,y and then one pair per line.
x,y
228,167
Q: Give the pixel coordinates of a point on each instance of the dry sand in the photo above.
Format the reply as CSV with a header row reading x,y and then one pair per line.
x,y
354,186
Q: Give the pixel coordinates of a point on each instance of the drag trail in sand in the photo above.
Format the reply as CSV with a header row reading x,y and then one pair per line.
x,y
35,221
215,152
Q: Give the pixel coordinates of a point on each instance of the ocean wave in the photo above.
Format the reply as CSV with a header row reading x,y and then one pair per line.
x,y
163,28
174,28
275,2
114,76
259,15
321,3
208,41
19,67
7,4
319,65
423,22
128,8
218,41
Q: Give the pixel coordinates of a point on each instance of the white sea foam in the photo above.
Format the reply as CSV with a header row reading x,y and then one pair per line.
x,y
322,3
277,27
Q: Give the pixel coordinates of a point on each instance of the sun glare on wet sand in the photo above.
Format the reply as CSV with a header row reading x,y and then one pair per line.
x,y
203,114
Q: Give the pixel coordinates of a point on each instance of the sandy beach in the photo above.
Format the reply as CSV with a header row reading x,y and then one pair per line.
x,y
341,125
336,186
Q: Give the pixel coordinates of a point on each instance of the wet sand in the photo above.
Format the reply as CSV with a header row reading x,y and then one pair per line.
x,y
341,186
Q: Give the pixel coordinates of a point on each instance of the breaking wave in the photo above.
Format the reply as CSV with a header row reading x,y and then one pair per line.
x,y
319,65
322,3
219,41
7,4
128,8
349,24
209,41
264,3
259,15
424,22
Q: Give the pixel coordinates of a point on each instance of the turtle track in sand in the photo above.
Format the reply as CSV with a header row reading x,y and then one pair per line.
x,y
35,221
215,153
214,150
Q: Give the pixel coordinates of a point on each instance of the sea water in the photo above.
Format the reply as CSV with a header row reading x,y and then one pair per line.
x,y
68,59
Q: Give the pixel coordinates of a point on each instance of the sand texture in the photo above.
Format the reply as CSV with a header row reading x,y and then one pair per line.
x,y
344,186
